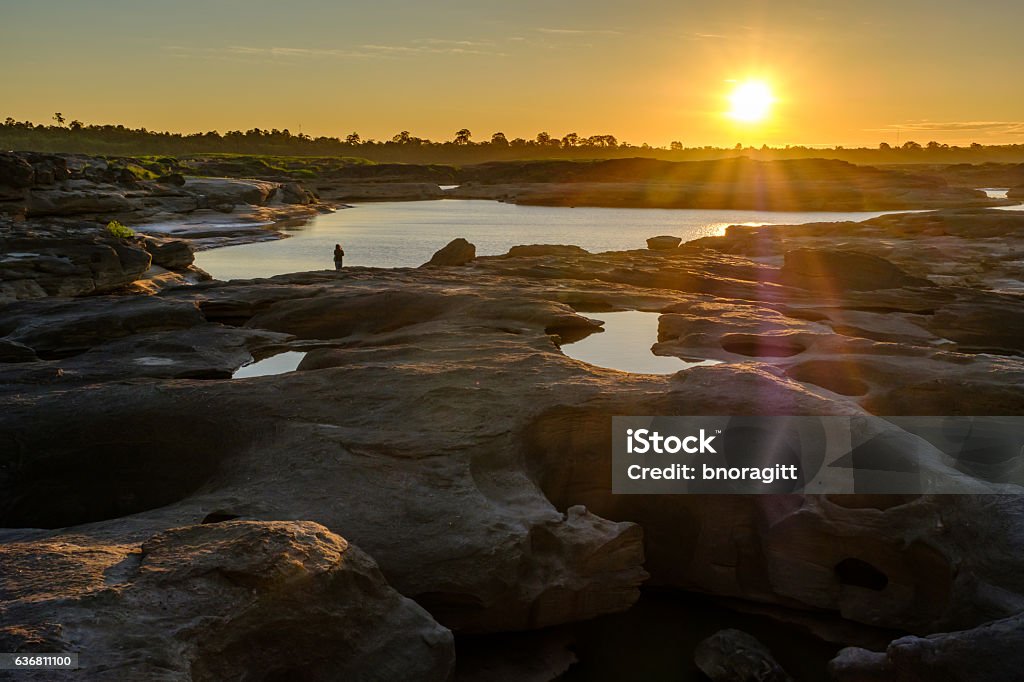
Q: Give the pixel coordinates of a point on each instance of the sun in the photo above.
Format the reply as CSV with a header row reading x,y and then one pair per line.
x,y
750,101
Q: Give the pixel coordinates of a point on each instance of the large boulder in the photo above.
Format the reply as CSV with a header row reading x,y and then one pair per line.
x,y
456,252
663,243
231,600
735,656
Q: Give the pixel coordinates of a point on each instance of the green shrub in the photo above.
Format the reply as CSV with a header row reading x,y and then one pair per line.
x,y
120,231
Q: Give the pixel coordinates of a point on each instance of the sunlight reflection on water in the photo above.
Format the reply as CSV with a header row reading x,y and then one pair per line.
x,y
625,345
405,234
287,361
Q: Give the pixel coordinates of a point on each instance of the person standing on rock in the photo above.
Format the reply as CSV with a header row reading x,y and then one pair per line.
x,y
339,256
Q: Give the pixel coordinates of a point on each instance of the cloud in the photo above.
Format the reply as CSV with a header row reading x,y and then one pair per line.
x,y
990,127
456,43
578,31
434,48
302,52
424,46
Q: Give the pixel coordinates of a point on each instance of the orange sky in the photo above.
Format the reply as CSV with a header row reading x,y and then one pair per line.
x,y
843,73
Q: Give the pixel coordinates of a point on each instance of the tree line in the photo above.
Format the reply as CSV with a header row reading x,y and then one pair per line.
x,y
76,137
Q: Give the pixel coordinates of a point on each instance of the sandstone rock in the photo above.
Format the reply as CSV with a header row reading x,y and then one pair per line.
x,y
439,395
12,351
532,250
173,179
68,265
237,599
494,554
59,328
231,191
68,203
988,653
735,656
293,193
48,168
826,269
173,254
15,171
456,252
663,243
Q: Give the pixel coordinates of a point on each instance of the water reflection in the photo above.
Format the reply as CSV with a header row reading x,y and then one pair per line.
x,y
395,234
625,345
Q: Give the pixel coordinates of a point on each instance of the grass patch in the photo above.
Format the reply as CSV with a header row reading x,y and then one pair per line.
x,y
116,229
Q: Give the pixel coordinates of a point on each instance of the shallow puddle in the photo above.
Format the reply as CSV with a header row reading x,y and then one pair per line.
x,y
625,345
287,361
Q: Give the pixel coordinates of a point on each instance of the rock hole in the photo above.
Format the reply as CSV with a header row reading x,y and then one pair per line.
x,y
93,467
860,573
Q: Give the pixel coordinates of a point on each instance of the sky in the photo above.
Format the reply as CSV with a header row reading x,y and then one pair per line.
x,y
841,72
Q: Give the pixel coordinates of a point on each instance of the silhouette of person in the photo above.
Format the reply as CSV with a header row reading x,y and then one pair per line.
x,y
339,256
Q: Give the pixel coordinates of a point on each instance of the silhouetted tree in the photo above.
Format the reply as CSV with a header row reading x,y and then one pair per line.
x,y
59,118
543,139
884,146
676,146
462,136
499,139
570,140
353,138
910,144
601,141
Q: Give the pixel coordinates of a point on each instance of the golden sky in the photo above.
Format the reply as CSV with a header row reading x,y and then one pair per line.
x,y
849,73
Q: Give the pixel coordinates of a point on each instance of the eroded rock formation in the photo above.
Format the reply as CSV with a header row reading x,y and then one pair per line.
x,y
230,600
435,423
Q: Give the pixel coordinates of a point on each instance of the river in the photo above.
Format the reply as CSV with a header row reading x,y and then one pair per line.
x,y
404,234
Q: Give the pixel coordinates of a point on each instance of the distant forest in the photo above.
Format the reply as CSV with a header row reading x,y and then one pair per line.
x,y
464,147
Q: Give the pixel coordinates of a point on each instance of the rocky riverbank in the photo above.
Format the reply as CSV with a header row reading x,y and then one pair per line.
x,y
435,424
54,210
805,185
